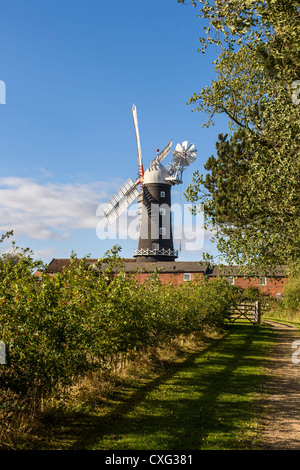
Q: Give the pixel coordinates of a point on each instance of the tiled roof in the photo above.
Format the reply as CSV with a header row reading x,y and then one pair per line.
x,y
237,271
133,265
167,266
130,265
57,265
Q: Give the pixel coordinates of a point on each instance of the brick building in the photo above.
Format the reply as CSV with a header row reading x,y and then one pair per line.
x,y
177,272
270,283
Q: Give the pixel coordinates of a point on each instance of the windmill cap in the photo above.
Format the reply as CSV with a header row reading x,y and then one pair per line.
x,y
156,173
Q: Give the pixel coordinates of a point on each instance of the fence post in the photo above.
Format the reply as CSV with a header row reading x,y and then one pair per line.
x,y
257,311
2,353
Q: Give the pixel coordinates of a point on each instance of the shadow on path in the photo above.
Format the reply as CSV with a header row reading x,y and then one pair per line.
x,y
207,393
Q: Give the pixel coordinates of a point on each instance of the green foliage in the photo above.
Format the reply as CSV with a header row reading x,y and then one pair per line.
x,y
58,328
291,293
273,25
251,294
251,189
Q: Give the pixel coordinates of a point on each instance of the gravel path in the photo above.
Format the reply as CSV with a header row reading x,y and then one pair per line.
x,y
281,428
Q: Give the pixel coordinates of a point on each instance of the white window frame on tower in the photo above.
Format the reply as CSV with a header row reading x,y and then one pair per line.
x,y
162,194
162,231
155,246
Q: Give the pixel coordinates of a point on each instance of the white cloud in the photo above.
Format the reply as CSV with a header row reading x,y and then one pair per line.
x,y
49,211
47,252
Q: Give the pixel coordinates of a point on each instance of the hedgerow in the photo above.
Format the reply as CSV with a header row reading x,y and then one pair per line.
x,y
58,328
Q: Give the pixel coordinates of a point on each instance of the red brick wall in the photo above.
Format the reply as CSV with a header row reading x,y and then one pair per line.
x,y
174,278
272,287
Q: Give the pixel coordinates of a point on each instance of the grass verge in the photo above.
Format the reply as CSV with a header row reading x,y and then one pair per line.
x,y
202,394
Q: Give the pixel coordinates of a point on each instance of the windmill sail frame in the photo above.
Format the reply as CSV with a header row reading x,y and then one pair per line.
x,y
138,143
121,200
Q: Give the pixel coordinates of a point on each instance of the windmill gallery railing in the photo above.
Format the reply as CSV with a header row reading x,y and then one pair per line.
x,y
154,252
248,311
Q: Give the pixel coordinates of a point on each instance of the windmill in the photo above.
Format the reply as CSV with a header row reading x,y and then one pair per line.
x,y
154,199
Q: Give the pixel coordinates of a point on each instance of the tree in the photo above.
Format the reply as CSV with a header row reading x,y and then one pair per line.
x,y
251,191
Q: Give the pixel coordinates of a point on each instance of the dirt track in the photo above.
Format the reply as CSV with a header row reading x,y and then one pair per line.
x,y
281,429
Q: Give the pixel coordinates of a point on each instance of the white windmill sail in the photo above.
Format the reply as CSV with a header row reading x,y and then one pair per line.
x,y
137,135
163,153
139,208
119,202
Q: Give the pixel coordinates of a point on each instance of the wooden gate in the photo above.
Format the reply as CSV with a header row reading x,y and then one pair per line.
x,y
248,311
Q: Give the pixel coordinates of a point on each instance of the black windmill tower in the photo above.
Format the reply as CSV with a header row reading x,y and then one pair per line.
x,y
154,199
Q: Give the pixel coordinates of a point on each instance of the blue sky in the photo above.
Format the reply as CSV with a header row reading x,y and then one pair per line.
x,y
72,72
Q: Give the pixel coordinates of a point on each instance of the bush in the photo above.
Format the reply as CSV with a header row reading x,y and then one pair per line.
x,y
60,327
291,293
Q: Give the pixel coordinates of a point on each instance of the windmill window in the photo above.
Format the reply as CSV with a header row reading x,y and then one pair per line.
x,y
186,276
162,194
263,281
162,211
162,231
155,246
